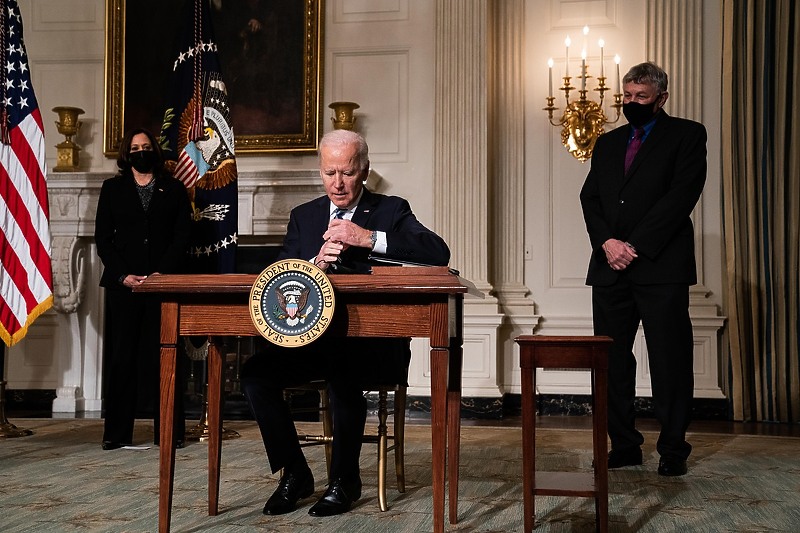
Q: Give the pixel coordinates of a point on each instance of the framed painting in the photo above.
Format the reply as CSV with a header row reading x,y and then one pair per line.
x,y
270,54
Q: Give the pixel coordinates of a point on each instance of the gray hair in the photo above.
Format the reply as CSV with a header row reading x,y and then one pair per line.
x,y
341,138
647,73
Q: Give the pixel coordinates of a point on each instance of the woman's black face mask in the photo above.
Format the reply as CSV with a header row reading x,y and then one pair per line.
x,y
143,161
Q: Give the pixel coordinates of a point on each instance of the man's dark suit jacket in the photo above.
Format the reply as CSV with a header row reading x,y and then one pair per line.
x,y
406,237
132,241
650,206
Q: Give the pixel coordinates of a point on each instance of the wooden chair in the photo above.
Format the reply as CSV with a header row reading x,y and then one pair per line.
x,y
382,437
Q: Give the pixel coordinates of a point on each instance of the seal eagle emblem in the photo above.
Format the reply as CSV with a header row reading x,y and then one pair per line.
x,y
291,303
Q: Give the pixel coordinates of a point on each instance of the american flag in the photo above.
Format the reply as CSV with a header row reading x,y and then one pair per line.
x,y
26,277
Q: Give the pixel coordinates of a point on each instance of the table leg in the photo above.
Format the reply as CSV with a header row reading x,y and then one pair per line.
x,y
600,390
214,423
166,454
439,364
528,391
454,426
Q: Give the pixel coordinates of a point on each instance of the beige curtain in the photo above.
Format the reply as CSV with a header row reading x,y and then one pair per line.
x,y
761,196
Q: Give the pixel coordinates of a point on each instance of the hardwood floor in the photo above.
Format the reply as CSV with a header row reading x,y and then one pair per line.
x,y
649,424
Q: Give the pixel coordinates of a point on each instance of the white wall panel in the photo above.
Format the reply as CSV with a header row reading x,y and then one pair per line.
x,y
76,84
369,10
378,81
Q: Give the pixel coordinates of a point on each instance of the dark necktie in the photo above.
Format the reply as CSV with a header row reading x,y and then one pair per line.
x,y
339,213
633,147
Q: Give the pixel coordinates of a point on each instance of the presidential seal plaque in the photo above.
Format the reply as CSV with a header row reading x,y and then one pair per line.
x,y
291,303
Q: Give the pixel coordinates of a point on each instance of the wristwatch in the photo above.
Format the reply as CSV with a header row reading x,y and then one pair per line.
x,y
374,237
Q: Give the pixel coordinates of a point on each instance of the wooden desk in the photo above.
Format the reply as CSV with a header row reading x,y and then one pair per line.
x,y
392,301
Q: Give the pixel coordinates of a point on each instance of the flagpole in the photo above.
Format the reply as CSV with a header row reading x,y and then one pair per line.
x,y
7,429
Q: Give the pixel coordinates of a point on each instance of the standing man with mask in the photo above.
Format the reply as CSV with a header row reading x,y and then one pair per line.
x,y
645,180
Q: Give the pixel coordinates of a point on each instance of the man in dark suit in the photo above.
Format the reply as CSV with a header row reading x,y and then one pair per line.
x,y
645,180
336,232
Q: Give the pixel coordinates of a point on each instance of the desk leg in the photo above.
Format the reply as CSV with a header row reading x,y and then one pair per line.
x,y
166,474
454,426
439,363
214,423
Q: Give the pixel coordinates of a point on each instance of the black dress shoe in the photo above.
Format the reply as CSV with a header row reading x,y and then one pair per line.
x,y
337,499
672,466
108,445
626,457
292,487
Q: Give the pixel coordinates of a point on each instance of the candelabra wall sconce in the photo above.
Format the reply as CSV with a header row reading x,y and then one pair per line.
x,y
583,119
68,125
343,118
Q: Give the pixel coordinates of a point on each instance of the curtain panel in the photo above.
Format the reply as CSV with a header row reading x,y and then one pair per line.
x,y
761,197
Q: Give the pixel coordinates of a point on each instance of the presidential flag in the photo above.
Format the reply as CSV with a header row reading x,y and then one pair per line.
x,y
26,277
198,141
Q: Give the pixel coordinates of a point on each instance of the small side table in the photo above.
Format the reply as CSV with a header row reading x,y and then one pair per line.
x,y
540,351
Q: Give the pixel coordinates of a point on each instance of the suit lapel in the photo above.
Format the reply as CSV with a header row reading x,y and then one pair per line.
x,y
365,209
659,130
322,215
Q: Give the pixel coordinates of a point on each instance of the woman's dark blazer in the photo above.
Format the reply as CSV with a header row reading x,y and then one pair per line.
x,y
650,206
132,241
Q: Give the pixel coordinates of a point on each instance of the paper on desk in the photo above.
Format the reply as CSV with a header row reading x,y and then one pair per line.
x,y
136,447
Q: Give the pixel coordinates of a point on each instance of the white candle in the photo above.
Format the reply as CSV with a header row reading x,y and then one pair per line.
x,y
550,76
567,42
616,88
602,43
583,70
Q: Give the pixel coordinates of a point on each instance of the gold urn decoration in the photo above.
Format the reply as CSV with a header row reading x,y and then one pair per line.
x,y
68,125
343,118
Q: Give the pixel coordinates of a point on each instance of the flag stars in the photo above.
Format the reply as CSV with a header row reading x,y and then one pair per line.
x,y
10,66
23,102
23,85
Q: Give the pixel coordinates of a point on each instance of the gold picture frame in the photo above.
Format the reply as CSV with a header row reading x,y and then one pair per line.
x,y
269,114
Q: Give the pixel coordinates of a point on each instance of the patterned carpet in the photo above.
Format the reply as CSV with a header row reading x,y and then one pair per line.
x,y
59,480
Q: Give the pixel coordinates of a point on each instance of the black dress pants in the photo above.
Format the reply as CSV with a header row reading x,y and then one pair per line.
x,y
132,360
348,365
663,310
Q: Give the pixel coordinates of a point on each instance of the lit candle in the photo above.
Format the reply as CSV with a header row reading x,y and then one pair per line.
x,y
550,66
583,70
602,43
616,60
567,42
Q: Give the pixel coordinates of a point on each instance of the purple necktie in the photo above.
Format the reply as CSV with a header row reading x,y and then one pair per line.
x,y
633,147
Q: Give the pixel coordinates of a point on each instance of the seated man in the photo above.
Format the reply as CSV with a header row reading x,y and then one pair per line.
x,y
335,232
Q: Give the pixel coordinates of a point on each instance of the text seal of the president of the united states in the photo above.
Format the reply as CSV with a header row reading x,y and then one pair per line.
x,y
291,303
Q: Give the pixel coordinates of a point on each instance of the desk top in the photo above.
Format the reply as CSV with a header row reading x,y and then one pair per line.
x,y
383,279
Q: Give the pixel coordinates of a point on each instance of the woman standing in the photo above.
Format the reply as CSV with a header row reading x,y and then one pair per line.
x,y
142,227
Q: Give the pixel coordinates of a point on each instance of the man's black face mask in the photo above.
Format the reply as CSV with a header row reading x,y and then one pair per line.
x,y
639,114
